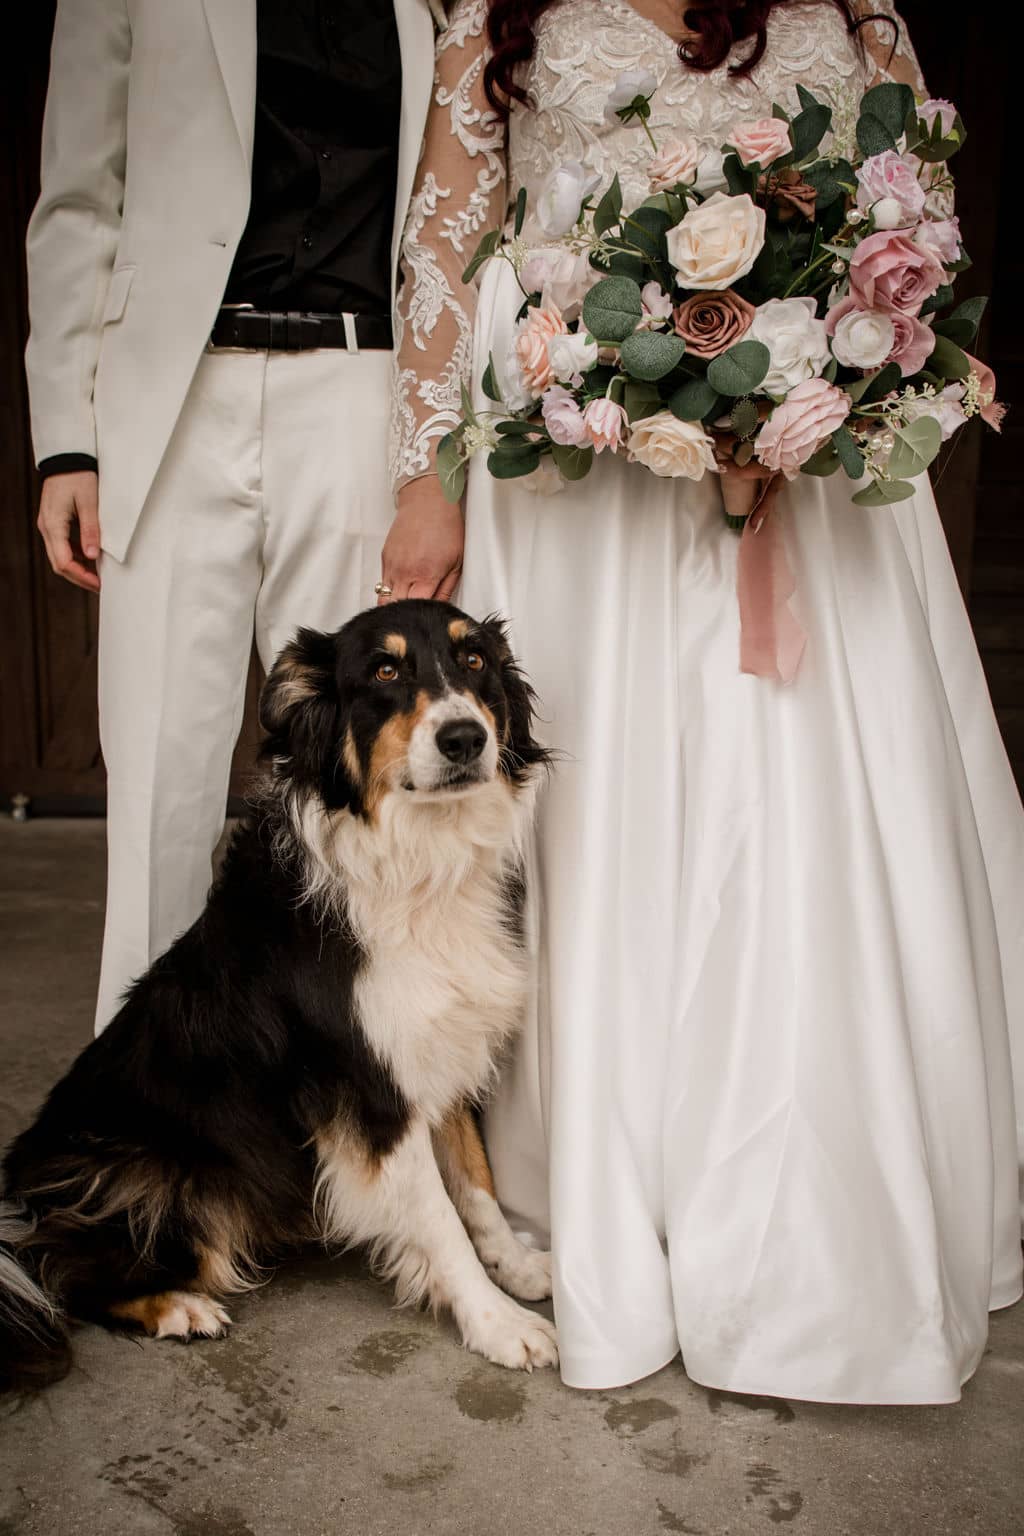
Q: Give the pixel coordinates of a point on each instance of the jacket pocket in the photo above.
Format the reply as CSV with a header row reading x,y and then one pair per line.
x,y
117,294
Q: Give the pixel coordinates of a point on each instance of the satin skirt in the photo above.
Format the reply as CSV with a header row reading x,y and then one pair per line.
x,y
763,1106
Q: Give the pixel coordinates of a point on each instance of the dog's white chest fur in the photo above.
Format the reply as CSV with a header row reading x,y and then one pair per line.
x,y
443,982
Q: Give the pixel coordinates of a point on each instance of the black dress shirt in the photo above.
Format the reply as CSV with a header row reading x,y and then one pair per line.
x,y
325,161
325,164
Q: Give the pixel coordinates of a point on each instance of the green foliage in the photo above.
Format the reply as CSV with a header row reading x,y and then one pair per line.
x,y
650,355
487,247
882,493
612,309
883,115
451,468
489,383
824,462
915,447
520,210
849,454
947,360
640,400
573,463
831,182
513,457
740,370
695,400
609,209
744,418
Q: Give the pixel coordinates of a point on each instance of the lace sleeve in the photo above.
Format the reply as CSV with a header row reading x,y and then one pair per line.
x,y
889,53
460,193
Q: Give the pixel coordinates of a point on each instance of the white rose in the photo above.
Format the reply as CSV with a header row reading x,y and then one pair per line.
x,y
888,213
717,244
545,480
514,393
672,448
711,175
796,339
559,199
863,338
945,407
630,84
676,161
572,355
561,277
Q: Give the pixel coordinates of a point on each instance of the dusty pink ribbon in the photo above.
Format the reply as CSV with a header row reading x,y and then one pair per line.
x,y
772,640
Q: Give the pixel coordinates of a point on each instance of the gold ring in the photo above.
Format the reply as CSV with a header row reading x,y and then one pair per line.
x,y
382,589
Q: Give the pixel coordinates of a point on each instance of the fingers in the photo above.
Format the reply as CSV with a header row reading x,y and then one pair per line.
x,y
87,507
69,523
448,585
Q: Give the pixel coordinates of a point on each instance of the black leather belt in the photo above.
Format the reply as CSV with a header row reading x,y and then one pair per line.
x,y
259,330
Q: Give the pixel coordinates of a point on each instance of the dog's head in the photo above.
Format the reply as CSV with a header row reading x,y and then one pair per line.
x,y
414,699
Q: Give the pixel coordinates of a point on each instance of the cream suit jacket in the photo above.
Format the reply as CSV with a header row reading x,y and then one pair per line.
x,y
146,172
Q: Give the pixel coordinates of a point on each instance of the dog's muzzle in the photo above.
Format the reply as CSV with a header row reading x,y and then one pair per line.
x,y
453,747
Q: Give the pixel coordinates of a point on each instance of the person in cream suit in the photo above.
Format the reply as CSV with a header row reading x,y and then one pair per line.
x,y
211,285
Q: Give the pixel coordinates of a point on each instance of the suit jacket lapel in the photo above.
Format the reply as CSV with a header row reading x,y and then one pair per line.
x,y
232,25
416,42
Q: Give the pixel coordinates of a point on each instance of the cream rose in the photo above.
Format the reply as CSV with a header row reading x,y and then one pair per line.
x,y
862,338
672,448
675,162
717,244
796,339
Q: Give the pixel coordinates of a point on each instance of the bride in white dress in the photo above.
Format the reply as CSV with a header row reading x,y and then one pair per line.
x,y
764,1104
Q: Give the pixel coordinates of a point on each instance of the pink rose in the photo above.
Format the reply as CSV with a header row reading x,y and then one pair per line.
x,y
711,322
605,422
531,346
795,429
992,410
764,141
913,345
657,305
561,277
563,417
888,271
934,108
888,184
941,237
675,162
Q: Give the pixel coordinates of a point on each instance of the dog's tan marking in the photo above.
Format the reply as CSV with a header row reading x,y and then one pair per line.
x,y
390,749
173,1315
458,629
350,757
488,714
465,1149
395,645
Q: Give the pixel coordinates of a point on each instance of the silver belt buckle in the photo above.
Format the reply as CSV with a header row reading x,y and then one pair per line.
x,y
210,344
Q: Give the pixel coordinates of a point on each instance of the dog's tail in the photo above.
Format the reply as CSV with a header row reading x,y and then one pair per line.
x,y
35,1347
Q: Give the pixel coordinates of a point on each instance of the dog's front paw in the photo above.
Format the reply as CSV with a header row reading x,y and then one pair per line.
x,y
186,1316
524,1272
510,1335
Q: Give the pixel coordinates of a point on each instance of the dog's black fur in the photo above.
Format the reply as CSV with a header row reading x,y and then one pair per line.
x,y
188,1126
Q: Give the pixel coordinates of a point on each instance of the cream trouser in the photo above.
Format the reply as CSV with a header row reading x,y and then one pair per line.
x,y
268,512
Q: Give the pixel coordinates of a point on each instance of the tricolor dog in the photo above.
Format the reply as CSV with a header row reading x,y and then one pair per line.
x,y
305,1063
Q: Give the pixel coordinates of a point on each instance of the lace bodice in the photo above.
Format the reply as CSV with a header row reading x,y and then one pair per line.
x,y
471,159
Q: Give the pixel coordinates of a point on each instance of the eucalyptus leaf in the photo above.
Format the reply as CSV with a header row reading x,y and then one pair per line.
x,y
914,448
517,428
873,137
740,370
849,454
487,247
451,468
650,355
520,210
882,493
824,462
467,404
572,463
513,458
808,129
489,383
948,360
640,400
612,309
830,182
742,454
939,299
694,400
891,103
609,209
881,384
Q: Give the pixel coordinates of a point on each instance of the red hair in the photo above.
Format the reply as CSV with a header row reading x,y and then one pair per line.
x,y
720,25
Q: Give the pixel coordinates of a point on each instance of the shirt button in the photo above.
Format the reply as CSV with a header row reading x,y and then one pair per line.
x,y
307,242
325,154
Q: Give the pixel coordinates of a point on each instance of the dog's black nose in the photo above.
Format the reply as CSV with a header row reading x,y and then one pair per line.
x,y
461,740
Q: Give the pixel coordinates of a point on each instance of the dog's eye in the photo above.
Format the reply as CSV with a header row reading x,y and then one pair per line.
x,y
387,672
474,661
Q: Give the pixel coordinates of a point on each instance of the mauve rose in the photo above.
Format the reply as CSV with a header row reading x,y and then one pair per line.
x,y
888,177
794,430
888,271
531,344
913,344
936,107
790,194
941,237
563,417
605,423
763,141
861,338
676,161
711,322
992,410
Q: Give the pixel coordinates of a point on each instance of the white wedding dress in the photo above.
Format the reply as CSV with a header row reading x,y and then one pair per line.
x,y
764,1101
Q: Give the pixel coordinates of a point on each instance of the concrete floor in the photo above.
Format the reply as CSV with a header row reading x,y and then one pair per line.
x,y
326,1411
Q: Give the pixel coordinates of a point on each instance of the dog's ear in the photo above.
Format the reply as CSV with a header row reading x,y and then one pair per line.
x,y
299,704
520,751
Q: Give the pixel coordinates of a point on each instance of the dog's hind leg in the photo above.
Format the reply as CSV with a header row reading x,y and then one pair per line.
x,y
462,1158
398,1204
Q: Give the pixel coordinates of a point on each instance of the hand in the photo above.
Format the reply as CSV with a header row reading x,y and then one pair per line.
x,y
70,525
747,487
422,554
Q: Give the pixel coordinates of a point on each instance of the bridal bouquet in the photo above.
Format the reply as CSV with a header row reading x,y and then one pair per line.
x,y
778,303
